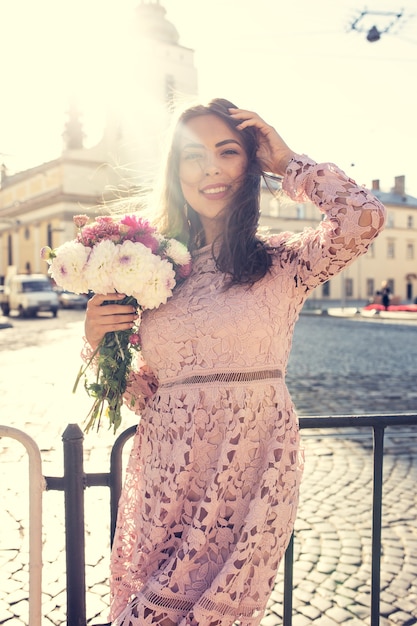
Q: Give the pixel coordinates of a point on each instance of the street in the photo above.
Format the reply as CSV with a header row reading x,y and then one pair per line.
x,y
338,366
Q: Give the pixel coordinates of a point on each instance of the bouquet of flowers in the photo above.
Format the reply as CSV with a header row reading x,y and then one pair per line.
x,y
117,255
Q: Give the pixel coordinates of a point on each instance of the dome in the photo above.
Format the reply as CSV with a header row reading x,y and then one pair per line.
x,y
152,23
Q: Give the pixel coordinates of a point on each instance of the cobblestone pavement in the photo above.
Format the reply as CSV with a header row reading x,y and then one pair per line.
x,y
338,366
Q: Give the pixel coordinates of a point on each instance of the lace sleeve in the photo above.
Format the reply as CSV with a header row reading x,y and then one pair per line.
x,y
353,218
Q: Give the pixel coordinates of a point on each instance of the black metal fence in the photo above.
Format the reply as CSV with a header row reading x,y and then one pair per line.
x,y
75,481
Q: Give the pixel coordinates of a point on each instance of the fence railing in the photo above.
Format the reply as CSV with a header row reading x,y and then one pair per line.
x,y
75,481
378,424
37,485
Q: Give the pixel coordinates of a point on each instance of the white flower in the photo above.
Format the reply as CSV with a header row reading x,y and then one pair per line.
x,y
133,267
158,287
100,266
67,267
176,251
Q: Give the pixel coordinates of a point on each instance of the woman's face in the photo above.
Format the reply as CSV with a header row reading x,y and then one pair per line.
x,y
212,163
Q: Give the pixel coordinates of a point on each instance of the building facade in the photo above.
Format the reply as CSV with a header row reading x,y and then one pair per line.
x,y
392,257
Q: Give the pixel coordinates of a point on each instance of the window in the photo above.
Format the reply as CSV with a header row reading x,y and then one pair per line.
x,y
390,220
409,254
348,287
390,249
370,287
410,221
391,285
325,290
301,211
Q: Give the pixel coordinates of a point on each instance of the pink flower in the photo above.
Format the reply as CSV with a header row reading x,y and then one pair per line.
x,y
134,339
184,270
103,228
80,220
139,230
139,224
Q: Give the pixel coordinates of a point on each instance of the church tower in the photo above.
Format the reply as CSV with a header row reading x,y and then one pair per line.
x,y
73,134
157,74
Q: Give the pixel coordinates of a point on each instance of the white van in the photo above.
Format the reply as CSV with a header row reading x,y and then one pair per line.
x,y
27,294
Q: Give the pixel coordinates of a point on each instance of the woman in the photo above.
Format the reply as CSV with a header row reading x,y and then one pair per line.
x,y
385,295
212,484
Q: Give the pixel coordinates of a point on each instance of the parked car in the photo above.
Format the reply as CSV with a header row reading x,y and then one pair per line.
x,y
69,300
28,294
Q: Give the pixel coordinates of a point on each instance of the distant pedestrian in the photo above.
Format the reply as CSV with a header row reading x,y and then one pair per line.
x,y
385,295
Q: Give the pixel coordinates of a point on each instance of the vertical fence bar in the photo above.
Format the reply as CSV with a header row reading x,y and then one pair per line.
x,y
288,582
36,487
377,523
74,482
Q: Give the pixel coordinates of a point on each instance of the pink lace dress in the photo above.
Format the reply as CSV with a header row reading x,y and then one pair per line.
x,y
212,484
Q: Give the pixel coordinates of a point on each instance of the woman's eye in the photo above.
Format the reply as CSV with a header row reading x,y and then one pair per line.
x,y
229,151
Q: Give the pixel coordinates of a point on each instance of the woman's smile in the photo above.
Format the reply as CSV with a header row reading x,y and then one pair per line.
x,y
216,191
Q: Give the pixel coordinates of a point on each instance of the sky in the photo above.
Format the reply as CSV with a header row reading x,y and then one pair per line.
x,y
328,91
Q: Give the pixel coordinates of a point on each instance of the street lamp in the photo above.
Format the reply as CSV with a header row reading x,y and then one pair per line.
x,y
374,33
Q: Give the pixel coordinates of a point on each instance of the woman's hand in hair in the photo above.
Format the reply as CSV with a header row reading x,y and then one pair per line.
x,y
101,319
273,153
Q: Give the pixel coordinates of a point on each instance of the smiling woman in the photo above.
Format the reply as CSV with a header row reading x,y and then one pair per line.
x,y
212,484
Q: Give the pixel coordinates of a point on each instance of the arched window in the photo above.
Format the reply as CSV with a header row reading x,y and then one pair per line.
x,y
390,249
370,287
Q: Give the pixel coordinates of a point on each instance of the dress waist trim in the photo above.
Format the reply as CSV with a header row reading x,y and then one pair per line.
x,y
224,377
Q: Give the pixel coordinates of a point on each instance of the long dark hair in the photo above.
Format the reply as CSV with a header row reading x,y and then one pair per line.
x,y
241,253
